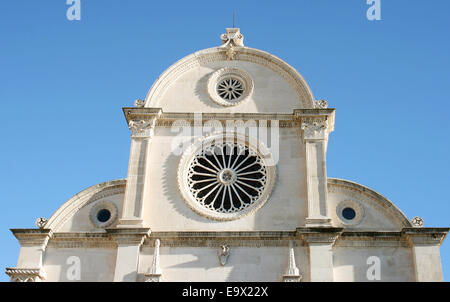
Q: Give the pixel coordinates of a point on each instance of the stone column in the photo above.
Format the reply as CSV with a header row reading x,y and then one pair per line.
x,y
142,133
129,242
315,137
425,244
320,250
33,243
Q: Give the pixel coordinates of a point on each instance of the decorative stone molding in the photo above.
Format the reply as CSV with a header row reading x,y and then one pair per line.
x,y
129,236
26,274
154,273
320,235
315,128
425,236
33,237
82,240
244,79
417,222
292,273
223,253
184,170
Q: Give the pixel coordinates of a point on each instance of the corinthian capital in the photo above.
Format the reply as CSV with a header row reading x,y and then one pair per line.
x,y
142,128
315,128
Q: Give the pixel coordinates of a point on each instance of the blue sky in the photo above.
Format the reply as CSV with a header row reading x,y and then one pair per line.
x,y
63,83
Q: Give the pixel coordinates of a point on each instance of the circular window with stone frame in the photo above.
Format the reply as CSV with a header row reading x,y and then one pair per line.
x,y
350,212
229,86
226,176
103,214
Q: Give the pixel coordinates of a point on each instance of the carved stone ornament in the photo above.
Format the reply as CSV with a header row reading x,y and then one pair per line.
x,y
41,222
417,222
315,128
139,103
230,53
231,41
321,104
233,37
223,253
141,128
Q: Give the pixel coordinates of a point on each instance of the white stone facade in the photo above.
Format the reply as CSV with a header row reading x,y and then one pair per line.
x,y
265,211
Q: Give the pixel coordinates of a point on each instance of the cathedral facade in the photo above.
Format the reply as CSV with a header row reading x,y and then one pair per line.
x,y
227,181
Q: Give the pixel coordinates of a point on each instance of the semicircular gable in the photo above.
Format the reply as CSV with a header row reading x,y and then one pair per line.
x,y
378,212
82,199
245,54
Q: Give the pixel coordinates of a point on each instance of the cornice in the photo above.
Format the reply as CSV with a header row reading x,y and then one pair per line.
x,y
168,119
425,236
340,237
32,237
129,236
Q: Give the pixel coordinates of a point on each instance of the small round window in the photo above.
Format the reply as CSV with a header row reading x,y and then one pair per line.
x,y
103,214
229,86
348,213
230,89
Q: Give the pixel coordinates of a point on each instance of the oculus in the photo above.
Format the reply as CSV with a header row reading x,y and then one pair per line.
x,y
350,212
229,86
103,214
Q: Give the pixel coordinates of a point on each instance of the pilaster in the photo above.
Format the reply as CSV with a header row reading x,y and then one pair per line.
x,y
129,242
320,243
142,128
425,244
315,137
33,243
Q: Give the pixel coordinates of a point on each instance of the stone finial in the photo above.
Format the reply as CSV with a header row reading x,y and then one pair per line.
x,y
417,222
139,103
232,37
232,40
321,104
41,222
292,273
154,272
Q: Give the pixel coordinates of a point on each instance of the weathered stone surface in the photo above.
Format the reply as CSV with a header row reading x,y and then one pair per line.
x,y
303,226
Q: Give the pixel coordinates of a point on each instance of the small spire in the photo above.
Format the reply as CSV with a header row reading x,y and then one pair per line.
x,y
292,269
154,272
155,269
234,19
292,272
